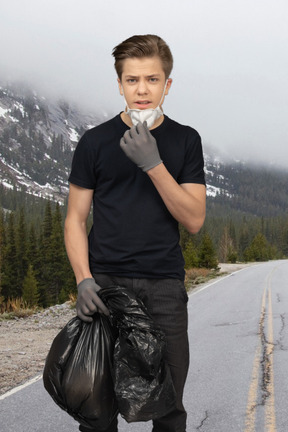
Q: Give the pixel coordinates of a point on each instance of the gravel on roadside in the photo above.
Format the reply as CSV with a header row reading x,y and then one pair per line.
x,y
25,342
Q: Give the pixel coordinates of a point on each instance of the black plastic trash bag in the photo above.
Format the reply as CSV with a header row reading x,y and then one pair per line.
x,y
77,371
142,380
93,367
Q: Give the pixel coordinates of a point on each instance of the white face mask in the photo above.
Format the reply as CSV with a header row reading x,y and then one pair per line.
x,y
150,115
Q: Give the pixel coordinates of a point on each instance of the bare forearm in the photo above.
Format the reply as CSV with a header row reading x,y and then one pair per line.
x,y
76,243
186,207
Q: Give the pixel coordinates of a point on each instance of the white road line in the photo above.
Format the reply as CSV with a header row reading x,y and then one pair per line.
x,y
219,279
21,387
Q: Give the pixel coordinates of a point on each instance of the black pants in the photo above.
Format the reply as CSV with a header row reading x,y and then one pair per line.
x,y
166,301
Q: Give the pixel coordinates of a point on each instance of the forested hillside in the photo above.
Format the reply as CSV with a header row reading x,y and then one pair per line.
x,y
260,191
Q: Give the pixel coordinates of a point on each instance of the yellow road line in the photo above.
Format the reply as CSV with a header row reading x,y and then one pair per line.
x,y
267,344
252,395
270,419
253,390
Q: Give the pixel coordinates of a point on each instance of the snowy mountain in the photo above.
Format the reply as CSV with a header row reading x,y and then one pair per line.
x,y
37,140
38,137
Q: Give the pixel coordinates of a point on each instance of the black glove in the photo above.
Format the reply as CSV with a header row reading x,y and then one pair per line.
x,y
88,301
141,147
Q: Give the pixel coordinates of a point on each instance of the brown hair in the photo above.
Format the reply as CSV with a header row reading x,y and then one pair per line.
x,y
143,46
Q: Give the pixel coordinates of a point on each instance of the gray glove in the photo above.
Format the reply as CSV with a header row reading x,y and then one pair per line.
x,y
141,147
88,301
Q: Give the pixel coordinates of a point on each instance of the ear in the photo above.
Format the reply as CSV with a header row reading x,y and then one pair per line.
x,y
169,83
120,87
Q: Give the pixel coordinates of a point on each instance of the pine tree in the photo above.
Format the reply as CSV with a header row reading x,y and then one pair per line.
x,y
47,224
21,248
30,289
243,241
45,272
32,247
207,253
57,280
9,264
190,255
258,249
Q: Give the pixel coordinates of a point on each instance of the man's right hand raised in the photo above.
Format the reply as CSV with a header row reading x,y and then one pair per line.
x,y
88,301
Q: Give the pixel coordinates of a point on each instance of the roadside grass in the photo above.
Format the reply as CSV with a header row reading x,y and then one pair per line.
x,y
197,276
72,299
16,308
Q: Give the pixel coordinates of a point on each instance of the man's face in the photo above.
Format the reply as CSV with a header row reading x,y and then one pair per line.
x,y
142,82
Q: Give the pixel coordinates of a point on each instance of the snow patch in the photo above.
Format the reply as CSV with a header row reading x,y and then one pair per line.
x,y
14,119
7,185
213,191
3,112
73,135
20,107
209,172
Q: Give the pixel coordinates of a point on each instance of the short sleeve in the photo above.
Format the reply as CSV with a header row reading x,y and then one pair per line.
x,y
193,169
83,171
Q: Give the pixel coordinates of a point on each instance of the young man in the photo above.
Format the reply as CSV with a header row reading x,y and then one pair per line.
x,y
144,174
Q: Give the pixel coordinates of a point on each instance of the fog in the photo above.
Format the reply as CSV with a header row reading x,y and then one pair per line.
x,y
230,62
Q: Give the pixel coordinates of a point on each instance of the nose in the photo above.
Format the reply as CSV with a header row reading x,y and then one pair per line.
x,y
142,87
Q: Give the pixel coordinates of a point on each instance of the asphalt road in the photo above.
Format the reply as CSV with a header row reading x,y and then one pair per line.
x,y
238,378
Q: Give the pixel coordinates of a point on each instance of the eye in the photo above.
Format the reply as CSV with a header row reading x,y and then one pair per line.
x,y
154,80
131,80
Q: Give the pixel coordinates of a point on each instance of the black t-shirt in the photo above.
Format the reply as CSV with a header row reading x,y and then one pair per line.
x,y
133,233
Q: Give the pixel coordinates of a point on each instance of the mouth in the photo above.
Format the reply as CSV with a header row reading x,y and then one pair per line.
x,y
142,104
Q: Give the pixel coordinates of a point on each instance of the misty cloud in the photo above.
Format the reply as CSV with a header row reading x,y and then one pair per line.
x,y
230,73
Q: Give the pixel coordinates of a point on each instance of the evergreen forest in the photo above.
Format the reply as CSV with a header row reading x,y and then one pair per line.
x,y
34,267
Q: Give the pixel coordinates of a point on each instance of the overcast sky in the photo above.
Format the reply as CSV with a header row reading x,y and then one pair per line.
x,y
230,61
